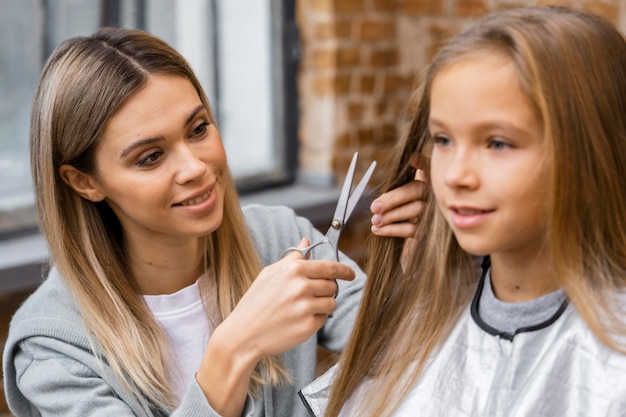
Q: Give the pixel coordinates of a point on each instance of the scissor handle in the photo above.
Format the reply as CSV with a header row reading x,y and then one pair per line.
x,y
305,251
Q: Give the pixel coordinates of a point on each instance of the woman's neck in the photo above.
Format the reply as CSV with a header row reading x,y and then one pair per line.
x,y
165,269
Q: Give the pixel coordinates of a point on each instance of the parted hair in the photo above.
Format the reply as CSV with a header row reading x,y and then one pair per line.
x,y
572,66
84,82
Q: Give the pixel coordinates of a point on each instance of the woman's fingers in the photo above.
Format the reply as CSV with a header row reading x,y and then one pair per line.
x,y
396,212
406,193
402,230
408,212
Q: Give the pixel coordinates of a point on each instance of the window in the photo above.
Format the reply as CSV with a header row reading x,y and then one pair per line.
x,y
243,51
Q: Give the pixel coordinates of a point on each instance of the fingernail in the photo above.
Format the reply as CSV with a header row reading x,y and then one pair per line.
x,y
420,175
376,206
376,219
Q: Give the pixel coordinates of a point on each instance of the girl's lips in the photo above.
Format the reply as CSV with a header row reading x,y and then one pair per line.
x,y
463,217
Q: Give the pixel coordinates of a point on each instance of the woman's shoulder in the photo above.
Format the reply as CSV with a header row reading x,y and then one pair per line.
x,y
276,228
275,222
48,309
260,212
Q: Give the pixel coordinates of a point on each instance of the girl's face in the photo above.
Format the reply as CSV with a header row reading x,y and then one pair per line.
x,y
161,163
488,161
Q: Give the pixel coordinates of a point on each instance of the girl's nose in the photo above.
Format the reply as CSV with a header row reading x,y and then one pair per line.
x,y
189,165
462,171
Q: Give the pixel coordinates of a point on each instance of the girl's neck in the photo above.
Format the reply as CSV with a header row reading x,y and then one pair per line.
x,y
518,279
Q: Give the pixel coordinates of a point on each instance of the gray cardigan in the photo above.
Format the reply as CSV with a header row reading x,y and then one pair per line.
x,y
51,370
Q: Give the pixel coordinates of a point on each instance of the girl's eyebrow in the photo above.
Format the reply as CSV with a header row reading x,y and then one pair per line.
x,y
147,141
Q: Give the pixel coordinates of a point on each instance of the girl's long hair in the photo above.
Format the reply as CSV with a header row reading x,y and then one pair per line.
x,y
572,66
83,84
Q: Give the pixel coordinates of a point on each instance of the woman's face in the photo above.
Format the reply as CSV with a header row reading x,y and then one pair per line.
x,y
488,161
161,163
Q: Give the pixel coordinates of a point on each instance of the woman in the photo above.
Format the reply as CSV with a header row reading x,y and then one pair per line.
x,y
158,301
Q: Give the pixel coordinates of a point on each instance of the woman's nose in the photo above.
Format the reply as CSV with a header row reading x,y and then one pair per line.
x,y
190,166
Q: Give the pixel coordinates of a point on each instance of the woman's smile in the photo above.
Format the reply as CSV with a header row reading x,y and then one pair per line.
x,y
178,189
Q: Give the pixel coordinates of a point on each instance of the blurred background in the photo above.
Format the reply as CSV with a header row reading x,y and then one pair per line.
x,y
297,87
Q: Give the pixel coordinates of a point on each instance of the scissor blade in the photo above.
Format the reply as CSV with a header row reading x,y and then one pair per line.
x,y
356,194
340,211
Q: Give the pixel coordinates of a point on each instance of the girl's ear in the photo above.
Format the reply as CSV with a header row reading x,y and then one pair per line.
x,y
82,183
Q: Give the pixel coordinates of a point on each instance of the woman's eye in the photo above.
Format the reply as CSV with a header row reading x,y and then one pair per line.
x,y
201,129
150,159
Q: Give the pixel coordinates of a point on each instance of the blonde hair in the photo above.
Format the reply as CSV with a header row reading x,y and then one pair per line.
x,y
82,85
572,66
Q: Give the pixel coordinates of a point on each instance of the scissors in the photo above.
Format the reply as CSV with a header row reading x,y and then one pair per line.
x,y
345,206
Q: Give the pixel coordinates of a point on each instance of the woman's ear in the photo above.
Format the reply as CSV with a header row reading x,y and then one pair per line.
x,y
82,183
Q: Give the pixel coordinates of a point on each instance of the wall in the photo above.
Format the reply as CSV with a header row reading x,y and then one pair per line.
x,y
361,60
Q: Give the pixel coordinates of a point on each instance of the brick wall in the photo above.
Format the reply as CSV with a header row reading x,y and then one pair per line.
x,y
360,63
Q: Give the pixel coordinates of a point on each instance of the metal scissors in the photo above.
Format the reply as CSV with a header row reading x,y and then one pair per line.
x,y
346,204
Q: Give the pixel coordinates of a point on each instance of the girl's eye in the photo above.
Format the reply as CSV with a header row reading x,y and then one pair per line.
x,y
150,159
441,140
499,144
201,129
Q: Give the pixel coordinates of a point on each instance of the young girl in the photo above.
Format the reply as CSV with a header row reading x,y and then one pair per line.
x,y
521,124
157,302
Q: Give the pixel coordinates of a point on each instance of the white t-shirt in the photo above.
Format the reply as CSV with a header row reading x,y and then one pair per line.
x,y
185,322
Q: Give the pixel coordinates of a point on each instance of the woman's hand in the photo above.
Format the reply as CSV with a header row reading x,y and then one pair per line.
x,y
288,302
285,305
396,212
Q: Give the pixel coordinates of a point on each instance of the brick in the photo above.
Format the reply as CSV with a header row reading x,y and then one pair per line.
x,y
366,84
392,83
343,28
348,56
565,3
335,6
422,7
365,136
344,140
323,58
323,31
331,58
470,8
505,5
609,11
326,6
440,34
385,5
381,107
331,85
371,29
343,6
337,29
385,57
355,111
340,162
387,133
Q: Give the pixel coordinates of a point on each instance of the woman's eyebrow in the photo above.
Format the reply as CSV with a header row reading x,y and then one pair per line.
x,y
138,143
148,141
193,114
